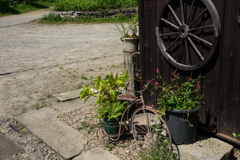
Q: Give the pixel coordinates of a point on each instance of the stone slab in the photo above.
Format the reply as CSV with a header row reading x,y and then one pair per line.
x,y
8,148
70,95
69,106
96,154
66,141
205,148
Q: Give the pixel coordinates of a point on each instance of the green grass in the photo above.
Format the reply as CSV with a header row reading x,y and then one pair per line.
x,y
23,7
93,5
56,19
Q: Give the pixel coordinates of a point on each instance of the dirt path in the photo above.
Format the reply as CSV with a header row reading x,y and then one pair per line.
x,y
38,61
11,20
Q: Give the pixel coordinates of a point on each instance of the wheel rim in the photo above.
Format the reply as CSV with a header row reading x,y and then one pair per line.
x,y
178,35
151,132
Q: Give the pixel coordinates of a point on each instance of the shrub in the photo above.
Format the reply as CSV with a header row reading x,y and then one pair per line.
x,y
93,5
5,3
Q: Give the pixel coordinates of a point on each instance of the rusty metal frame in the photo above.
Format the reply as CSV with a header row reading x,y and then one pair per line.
x,y
105,138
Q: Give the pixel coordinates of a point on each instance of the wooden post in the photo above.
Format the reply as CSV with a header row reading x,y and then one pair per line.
x,y
131,63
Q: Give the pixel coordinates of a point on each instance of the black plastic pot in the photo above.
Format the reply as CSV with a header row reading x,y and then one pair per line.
x,y
180,129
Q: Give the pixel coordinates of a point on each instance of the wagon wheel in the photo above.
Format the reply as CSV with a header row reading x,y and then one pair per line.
x,y
151,132
187,32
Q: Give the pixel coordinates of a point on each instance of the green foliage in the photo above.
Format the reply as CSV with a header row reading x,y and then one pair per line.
x,y
108,89
56,19
130,31
236,136
88,125
40,141
24,131
158,151
93,5
177,95
9,7
5,3
111,110
110,146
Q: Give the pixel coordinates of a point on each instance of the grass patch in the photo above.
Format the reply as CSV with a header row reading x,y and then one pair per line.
x,y
93,5
24,6
57,19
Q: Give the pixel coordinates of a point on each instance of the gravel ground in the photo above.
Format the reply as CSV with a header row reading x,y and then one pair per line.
x,y
124,149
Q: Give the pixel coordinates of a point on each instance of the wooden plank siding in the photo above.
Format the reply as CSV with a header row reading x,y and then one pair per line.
x,y
230,89
221,85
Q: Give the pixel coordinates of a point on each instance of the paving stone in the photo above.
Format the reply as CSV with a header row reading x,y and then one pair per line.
x,y
206,148
69,106
96,154
66,141
70,95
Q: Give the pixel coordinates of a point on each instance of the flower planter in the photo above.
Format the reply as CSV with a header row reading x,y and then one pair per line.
x,y
131,44
180,130
111,127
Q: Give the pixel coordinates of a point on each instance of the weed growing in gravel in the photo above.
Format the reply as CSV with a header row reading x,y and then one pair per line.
x,y
40,141
24,131
88,125
84,78
58,100
110,146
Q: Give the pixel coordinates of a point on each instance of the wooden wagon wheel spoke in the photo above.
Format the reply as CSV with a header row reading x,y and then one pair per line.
x,y
189,55
195,48
168,34
200,39
199,16
187,52
174,15
172,43
190,12
179,52
193,29
171,24
183,19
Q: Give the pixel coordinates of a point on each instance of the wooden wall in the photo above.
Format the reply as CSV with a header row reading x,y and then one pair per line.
x,y
221,85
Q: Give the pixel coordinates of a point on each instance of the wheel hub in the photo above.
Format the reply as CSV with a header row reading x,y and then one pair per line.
x,y
183,31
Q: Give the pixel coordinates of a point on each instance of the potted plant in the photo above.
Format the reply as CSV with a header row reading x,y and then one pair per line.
x,y
109,107
129,34
181,103
110,113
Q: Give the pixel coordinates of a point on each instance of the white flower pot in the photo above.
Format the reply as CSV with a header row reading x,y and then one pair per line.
x,y
131,44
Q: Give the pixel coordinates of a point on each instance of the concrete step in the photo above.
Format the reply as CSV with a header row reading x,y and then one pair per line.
x,y
96,154
63,139
205,148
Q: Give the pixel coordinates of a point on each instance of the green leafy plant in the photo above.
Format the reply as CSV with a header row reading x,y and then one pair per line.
x,y
236,136
24,131
158,151
111,110
130,31
110,146
177,95
108,89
